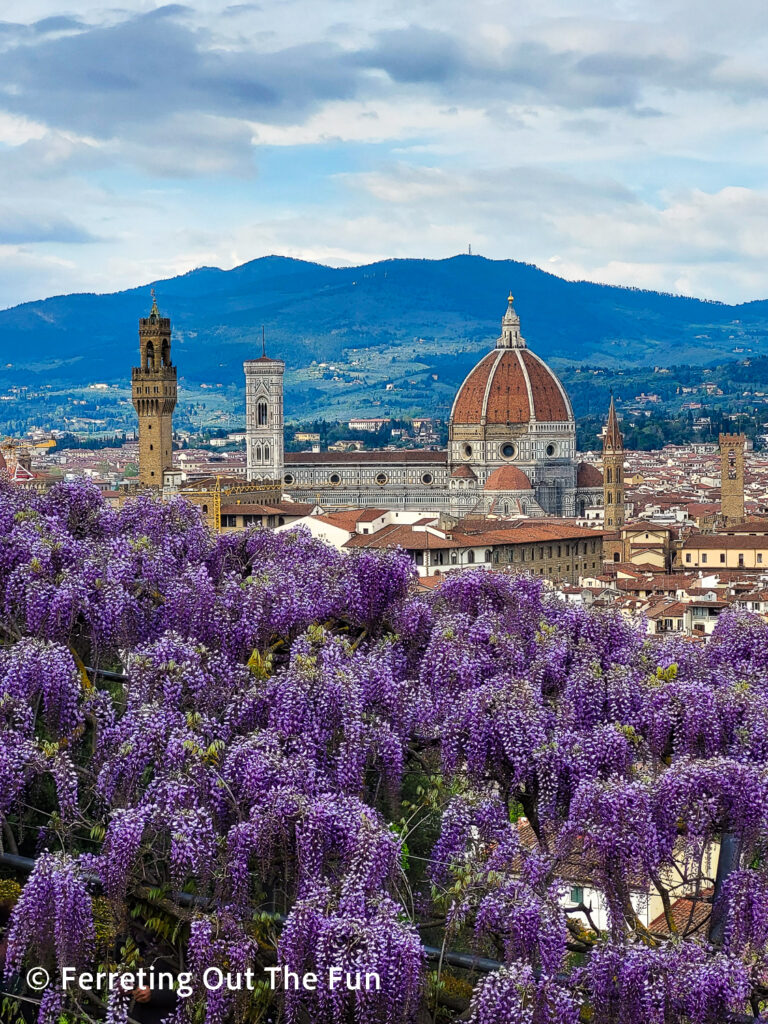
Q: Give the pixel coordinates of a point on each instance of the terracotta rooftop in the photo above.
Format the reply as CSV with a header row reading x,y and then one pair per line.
x,y
688,915
723,541
245,508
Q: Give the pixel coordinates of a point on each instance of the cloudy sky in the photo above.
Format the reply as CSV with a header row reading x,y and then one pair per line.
x,y
611,140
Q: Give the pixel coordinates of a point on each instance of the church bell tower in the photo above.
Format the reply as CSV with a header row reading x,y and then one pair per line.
x,y
154,393
613,473
264,417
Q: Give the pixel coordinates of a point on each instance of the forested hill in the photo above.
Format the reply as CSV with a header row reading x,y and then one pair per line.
x,y
312,312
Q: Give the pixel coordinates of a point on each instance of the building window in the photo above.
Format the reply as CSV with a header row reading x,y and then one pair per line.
x,y
381,478
335,478
508,451
471,558
487,554
577,894
760,557
266,453
427,478
288,478
550,450
609,475
467,451
261,414
688,557
722,558
703,557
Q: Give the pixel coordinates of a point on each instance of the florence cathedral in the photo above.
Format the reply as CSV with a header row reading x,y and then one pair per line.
x,y
511,448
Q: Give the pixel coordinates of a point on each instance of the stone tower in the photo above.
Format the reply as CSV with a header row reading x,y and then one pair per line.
x,y
154,397
264,416
732,477
613,473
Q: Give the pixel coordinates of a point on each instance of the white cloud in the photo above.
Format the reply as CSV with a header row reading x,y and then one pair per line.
x,y
622,138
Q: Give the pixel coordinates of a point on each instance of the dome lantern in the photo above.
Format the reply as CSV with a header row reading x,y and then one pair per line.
x,y
510,328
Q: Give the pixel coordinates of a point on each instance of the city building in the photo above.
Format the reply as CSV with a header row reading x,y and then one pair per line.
x,y
557,550
511,449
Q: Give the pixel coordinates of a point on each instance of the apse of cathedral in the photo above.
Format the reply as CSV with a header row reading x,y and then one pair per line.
x,y
511,447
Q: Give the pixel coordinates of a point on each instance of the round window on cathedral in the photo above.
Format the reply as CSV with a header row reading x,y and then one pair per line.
x,y
426,478
550,450
381,478
288,478
335,478
508,451
467,451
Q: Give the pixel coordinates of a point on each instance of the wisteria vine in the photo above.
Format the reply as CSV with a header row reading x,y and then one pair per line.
x,y
252,753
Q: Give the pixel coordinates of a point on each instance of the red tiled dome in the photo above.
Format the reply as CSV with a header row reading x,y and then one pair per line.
x,y
588,476
507,478
511,385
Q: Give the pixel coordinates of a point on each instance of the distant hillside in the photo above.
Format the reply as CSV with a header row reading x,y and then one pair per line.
x,y
312,312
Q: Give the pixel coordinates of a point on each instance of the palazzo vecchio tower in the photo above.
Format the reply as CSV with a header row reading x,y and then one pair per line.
x,y
154,397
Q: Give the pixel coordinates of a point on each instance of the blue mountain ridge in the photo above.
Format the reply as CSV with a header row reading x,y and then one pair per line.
x,y
314,312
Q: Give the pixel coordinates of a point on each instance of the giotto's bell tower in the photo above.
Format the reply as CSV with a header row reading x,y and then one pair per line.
x,y
264,417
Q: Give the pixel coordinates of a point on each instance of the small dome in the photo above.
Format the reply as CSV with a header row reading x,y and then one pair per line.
x,y
507,478
464,472
588,476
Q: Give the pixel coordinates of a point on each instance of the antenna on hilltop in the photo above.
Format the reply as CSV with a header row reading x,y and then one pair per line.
x,y
470,249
